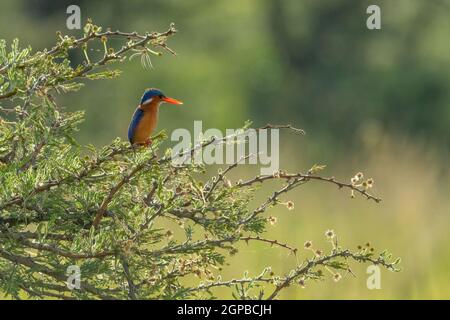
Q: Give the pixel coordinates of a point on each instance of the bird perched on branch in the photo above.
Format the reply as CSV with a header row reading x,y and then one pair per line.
x,y
145,118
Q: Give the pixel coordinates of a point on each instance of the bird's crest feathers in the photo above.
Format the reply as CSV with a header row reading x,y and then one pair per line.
x,y
150,93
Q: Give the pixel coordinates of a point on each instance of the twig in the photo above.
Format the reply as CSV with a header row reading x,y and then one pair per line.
x,y
271,242
208,286
273,199
131,286
222,174
305,268
104,206
281,126
305,177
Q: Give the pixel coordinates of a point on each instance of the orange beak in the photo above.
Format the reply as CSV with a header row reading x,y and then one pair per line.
x,y
171,100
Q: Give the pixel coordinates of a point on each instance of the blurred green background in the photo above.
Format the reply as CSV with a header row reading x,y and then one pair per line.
x,y
372,101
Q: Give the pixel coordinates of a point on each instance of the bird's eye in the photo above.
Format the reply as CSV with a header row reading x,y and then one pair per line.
x,y
161,96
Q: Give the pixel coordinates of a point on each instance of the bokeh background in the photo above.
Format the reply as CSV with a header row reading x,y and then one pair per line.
x,y
372,101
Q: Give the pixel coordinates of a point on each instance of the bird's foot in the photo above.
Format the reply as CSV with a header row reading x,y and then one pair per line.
x,y
147,142
144,144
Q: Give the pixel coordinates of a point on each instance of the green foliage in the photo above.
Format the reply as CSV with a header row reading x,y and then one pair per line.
x,y
117,212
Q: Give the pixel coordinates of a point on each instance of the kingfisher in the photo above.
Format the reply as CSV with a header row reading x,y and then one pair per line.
x,y
145,118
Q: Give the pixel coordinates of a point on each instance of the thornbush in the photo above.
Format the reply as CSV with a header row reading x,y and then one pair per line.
x,y
63,205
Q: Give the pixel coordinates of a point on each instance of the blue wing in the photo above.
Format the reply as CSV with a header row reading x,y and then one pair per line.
x,y
137,116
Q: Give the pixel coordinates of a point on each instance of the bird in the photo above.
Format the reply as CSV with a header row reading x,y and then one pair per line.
x,y
145,118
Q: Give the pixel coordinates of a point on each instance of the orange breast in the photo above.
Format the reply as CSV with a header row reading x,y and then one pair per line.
x,y
147,124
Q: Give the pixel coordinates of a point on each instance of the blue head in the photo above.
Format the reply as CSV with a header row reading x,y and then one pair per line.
x,y
155,95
